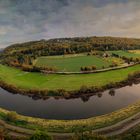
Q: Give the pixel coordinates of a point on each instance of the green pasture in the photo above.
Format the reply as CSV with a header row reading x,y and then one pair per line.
x,y
30,80
72,63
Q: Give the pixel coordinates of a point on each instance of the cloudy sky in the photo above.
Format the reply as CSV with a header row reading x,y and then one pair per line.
x,y
24,20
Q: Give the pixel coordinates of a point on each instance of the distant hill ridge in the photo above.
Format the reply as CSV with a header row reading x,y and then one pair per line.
x,y
77,44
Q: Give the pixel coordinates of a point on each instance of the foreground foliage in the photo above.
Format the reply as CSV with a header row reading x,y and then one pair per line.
x,y
39,135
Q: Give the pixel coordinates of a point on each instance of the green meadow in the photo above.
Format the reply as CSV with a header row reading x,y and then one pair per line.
x,y
72,63
30,80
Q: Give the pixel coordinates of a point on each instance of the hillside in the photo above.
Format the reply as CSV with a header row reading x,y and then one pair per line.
x,y
74,45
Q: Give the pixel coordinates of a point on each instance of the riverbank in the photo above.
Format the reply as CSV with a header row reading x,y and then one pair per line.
x,y
72,126
114,130
66,86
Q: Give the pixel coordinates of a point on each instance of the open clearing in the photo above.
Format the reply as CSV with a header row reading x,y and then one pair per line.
x,y
72,63
32,80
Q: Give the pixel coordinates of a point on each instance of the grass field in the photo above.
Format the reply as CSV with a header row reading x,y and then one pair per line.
x,y
72,63
30,80
127,54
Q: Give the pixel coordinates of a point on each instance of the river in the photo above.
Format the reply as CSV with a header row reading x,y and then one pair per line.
x,y
69,109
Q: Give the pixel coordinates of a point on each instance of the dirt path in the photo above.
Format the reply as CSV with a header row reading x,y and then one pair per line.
x,y
112,130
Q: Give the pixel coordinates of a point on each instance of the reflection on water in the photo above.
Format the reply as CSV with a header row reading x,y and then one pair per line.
x,y
112,92
85,98
83,107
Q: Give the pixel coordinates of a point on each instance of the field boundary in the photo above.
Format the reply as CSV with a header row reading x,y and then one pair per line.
x,y
89,72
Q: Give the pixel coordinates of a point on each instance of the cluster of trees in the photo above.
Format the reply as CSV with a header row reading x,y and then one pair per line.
x,y
32,68
129,60
88,68
26,64
18,60
92,68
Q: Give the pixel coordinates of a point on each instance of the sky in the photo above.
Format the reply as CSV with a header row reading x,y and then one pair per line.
x,y
26,20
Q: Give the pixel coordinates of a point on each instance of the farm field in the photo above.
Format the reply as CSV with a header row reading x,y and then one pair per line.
x,y
127,54
72,63
30,80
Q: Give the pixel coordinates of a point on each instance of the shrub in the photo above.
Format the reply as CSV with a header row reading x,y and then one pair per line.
x,y
82,68
113,64
88,68
83,89
112,92
93,67
11,116
39,135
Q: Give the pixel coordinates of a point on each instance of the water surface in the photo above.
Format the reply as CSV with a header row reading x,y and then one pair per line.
x,y
70,108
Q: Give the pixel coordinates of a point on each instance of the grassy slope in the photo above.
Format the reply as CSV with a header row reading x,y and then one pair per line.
x,y
126,54
69,82
64,63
